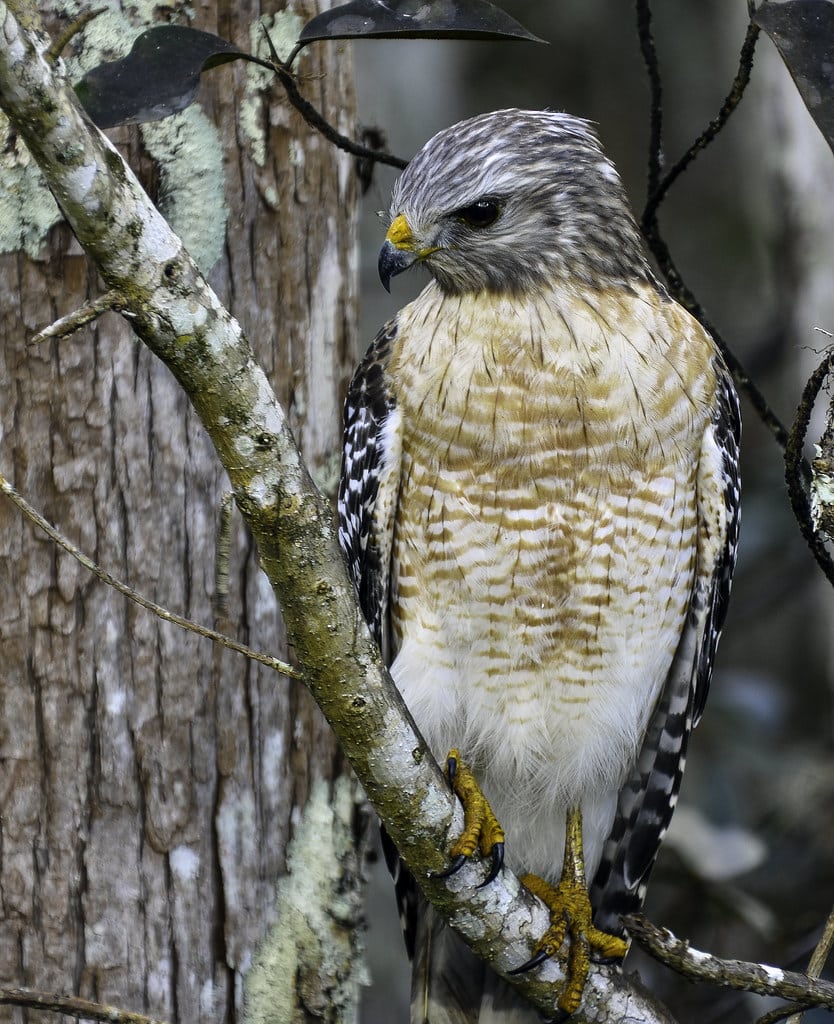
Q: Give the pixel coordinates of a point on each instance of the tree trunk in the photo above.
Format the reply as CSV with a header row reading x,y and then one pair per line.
x,y
153,790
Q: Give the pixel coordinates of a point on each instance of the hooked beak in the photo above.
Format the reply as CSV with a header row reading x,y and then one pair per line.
x,y
399,251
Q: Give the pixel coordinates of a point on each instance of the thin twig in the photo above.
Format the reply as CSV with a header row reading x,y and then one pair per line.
x,y
316,120
657,190
647,48
737,974
56,47
161,612
818,958
782,1012
73,1006
111,301
797,493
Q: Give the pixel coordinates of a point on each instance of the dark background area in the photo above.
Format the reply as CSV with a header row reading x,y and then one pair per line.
x,y
747,870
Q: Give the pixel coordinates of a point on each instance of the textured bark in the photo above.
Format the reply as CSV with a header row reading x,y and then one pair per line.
x,y
149,784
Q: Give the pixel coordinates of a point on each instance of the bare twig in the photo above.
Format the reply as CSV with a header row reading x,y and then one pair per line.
x,y
657,190
818,958
111,301
678,289
56,47
161,612
315,119
797,493
782,1012
737,974
647,48
73,1006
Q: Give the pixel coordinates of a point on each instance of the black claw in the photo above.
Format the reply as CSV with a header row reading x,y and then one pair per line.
x,y
560,1018
534,961
451,768
497,864
452,869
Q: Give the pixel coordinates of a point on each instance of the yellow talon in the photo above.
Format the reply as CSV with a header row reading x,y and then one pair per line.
x,y
571,915
481,829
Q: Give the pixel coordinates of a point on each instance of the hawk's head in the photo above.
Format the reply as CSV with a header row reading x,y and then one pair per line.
x,y
513,200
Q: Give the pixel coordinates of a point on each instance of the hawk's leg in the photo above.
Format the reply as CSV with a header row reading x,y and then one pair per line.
x,y
570,914
481,830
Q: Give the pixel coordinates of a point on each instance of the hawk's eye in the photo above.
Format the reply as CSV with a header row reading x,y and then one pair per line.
x,y
480,214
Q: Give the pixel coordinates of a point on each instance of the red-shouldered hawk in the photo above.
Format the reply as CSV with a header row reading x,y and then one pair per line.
x,y
539,510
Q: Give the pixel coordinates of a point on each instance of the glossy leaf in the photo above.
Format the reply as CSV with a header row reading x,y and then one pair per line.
x,y
415,19
803,31
159,76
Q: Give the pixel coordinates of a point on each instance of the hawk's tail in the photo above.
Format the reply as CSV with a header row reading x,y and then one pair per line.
x,y
450,985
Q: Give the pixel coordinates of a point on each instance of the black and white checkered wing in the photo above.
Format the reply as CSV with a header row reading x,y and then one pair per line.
x,y
369,483
649,796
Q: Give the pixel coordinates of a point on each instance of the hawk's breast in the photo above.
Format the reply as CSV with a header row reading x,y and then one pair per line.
x,y
544,541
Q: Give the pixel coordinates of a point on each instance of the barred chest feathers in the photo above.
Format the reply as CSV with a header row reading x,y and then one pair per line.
x,y
543,551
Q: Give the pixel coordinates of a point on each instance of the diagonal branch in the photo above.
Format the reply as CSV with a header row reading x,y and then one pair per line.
x,y
72,1006
176,314
696,965
159,610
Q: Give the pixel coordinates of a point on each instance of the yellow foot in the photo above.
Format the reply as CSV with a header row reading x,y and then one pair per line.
x,y
481,830
571,916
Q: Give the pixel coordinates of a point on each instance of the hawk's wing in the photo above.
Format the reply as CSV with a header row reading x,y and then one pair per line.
x,y
368,493
369,483
648,798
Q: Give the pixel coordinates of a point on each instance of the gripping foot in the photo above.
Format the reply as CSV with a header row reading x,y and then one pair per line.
x,y
570,916
481,830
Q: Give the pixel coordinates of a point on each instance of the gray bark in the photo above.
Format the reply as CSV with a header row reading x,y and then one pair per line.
x,y
149,784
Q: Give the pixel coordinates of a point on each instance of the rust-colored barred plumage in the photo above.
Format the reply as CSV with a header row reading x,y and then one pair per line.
x,y
539,508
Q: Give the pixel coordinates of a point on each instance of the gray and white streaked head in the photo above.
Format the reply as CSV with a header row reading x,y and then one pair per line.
x,y
510,201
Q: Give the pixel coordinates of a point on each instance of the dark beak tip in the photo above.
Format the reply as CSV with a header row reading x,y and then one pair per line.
x,y
393,261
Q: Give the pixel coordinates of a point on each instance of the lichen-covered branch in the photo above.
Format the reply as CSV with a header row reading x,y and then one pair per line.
x,y
181,320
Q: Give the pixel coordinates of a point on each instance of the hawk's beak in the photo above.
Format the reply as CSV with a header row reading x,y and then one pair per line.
x,y
399,251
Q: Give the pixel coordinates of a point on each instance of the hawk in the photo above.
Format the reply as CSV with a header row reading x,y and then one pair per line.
x,y
539,511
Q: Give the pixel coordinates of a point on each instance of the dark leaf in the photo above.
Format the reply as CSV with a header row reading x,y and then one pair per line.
x,y
415,19
157,78
803,31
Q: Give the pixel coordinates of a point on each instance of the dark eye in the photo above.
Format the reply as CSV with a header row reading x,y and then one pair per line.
x,y
480,214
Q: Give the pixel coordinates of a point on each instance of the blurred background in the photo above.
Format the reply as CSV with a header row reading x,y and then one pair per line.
x,y
747,870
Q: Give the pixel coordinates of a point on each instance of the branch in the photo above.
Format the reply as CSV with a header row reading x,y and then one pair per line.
x,y
678,288
159,610
313,117
657,189
73,1006
647,48
109,302
737,974
182,321
800,502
